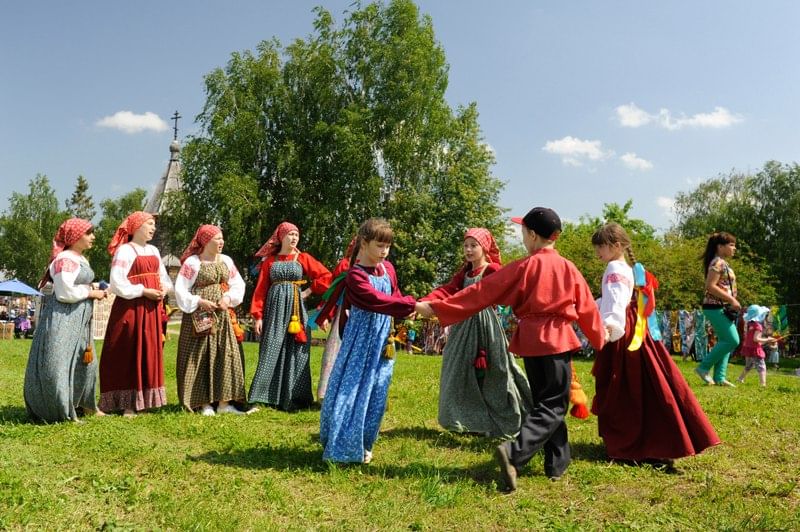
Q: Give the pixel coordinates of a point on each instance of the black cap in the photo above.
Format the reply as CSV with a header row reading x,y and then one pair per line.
x,y
542,221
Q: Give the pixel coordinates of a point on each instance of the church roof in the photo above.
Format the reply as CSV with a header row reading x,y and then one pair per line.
x,y
170,181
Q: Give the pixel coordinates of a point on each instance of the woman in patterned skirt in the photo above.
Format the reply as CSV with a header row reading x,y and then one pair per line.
x,y
209,368
62,369
359,383
132,362
283,375
481,390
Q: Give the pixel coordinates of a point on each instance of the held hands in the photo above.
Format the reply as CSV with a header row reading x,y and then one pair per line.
x,y
152,293
98,294
423,308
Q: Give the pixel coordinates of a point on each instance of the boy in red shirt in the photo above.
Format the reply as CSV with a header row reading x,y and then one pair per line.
x,y
547,294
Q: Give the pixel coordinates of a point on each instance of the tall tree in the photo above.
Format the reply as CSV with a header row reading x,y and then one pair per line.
x,y
27,229
80,204
114,212
347,123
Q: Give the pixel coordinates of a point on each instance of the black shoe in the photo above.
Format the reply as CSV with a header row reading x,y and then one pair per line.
x,y
507,469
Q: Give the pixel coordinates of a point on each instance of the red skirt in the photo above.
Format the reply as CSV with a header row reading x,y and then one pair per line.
x,y
644,406
132,360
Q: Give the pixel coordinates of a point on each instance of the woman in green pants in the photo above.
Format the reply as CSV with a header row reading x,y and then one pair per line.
x,y
719,303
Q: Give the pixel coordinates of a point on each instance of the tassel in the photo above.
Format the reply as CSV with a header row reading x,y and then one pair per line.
x,y
294,325
480,360
88,355
577,397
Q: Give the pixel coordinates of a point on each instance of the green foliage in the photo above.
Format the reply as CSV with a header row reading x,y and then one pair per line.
x,y
80,204
348,123
27,229
763,211
114,212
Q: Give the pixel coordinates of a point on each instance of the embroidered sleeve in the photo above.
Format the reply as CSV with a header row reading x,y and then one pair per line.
x,y
617,289
235,283
120,267
64,270
187,301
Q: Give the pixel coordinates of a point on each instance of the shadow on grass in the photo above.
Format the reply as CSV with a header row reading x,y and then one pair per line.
x,y
13,415
438,438
589,452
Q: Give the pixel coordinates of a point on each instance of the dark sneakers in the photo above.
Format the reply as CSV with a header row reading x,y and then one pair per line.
x,y
507,469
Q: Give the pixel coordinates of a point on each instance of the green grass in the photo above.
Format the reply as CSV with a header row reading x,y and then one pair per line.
x,y
174,470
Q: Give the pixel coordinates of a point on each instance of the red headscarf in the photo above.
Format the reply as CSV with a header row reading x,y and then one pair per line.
x,y
126,229
486,241
204,233
68,233
273,245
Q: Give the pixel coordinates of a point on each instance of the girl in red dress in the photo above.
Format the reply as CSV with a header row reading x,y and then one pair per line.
x,y
645,409
132,361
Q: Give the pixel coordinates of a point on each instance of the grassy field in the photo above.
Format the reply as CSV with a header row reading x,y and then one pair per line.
x,y
174,470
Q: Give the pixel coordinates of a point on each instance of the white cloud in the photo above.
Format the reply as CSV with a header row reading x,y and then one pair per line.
x,y
574,151
129,122
634,162
666,204
632,116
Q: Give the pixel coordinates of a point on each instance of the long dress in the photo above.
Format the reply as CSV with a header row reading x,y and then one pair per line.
x,y
283,375
132,361
491,401
644,407
209,367
359,383
56,378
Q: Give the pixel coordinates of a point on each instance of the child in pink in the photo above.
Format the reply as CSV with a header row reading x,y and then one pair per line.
x,y
754,339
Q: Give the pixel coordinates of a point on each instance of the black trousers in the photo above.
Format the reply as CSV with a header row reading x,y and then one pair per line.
x,y
544,427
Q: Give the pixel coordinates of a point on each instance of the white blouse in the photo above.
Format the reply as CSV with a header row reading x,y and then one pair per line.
x,y
64,270
188,275
121,266
617,290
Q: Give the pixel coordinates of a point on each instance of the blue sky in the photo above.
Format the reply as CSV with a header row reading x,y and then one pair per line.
x,y
584,103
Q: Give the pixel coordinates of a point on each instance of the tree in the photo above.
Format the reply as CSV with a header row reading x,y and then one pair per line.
x,y
762,211
114,212
80,203
27,229
348,123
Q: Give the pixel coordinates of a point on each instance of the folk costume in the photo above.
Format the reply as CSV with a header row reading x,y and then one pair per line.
x,y
481,388
132,361
62,370
209,367
283,376
330,311
547,293
645,409
359,383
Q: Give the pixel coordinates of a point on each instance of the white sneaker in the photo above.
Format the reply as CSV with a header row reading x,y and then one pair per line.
x,y
229,409
367,457
207,410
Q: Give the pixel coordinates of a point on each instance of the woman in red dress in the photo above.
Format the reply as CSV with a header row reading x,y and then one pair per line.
x,y
132,361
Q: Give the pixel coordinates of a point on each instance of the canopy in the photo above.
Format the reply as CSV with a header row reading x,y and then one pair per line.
x,y
15,286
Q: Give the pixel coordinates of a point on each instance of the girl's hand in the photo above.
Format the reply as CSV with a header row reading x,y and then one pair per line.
x,y
305,293
205,304
324,325
257,327
98,294
223,303
735,304
423,308
608,334
152,293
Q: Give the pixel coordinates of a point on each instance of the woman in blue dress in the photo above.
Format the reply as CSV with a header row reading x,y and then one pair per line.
x,y
359,383
61,374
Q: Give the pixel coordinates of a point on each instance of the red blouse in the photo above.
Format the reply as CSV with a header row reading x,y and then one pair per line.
x,y
316,272
547,294
456,284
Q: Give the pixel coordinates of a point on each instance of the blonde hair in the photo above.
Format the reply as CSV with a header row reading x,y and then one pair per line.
x,y
612,233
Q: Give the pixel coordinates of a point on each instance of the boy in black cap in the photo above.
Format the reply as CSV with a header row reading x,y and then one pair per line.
x,y
547,294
